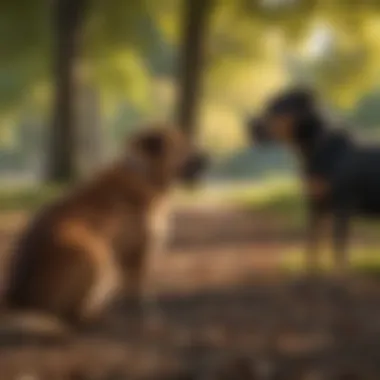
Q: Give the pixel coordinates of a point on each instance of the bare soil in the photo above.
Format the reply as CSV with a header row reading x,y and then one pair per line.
x,y
229,312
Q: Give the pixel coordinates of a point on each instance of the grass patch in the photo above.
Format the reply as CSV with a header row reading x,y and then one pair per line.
x,y
279,195
282,195
363,260
26,198
281,198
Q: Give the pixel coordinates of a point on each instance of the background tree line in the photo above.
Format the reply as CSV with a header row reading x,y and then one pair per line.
x,y
76,75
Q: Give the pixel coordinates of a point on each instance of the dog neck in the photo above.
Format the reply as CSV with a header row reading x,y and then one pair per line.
x,y
328,147
137,165
308,134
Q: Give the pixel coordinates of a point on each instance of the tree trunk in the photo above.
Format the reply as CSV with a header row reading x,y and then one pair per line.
x,y
91,139
68,19
195,21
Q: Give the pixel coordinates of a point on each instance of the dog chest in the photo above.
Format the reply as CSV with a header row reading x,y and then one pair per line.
x,y
159,224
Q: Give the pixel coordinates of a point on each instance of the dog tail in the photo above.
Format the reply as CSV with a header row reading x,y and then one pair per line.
x,y
24,327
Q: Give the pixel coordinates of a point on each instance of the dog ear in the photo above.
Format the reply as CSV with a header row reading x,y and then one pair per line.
x,y
152,144
296,99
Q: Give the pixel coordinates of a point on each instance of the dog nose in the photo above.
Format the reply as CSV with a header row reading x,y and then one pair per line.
x,y
194,168
200,161
257,130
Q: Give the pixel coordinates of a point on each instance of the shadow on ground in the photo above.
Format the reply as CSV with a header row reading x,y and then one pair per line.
x,y
250,323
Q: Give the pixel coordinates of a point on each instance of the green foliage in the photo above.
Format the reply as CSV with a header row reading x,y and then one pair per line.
x,y
24,41
252,33
367,112
27,198
253,47
119,74
112,59
363,261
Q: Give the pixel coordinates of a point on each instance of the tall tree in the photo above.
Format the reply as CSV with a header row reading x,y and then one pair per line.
x,y
68,19
194,22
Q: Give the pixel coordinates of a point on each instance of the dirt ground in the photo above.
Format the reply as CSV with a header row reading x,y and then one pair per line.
x,y
229,312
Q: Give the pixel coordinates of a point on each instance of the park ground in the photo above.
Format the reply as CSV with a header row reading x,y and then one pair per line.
x,y
233,297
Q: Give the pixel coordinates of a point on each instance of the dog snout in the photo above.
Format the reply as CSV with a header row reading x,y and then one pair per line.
x,y
258,131
194,167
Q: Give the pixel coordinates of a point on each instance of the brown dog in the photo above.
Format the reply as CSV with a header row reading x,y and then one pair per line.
x,y
81,250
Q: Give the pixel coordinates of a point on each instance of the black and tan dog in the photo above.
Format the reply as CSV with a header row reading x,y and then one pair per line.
x,y
341,176
80,251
